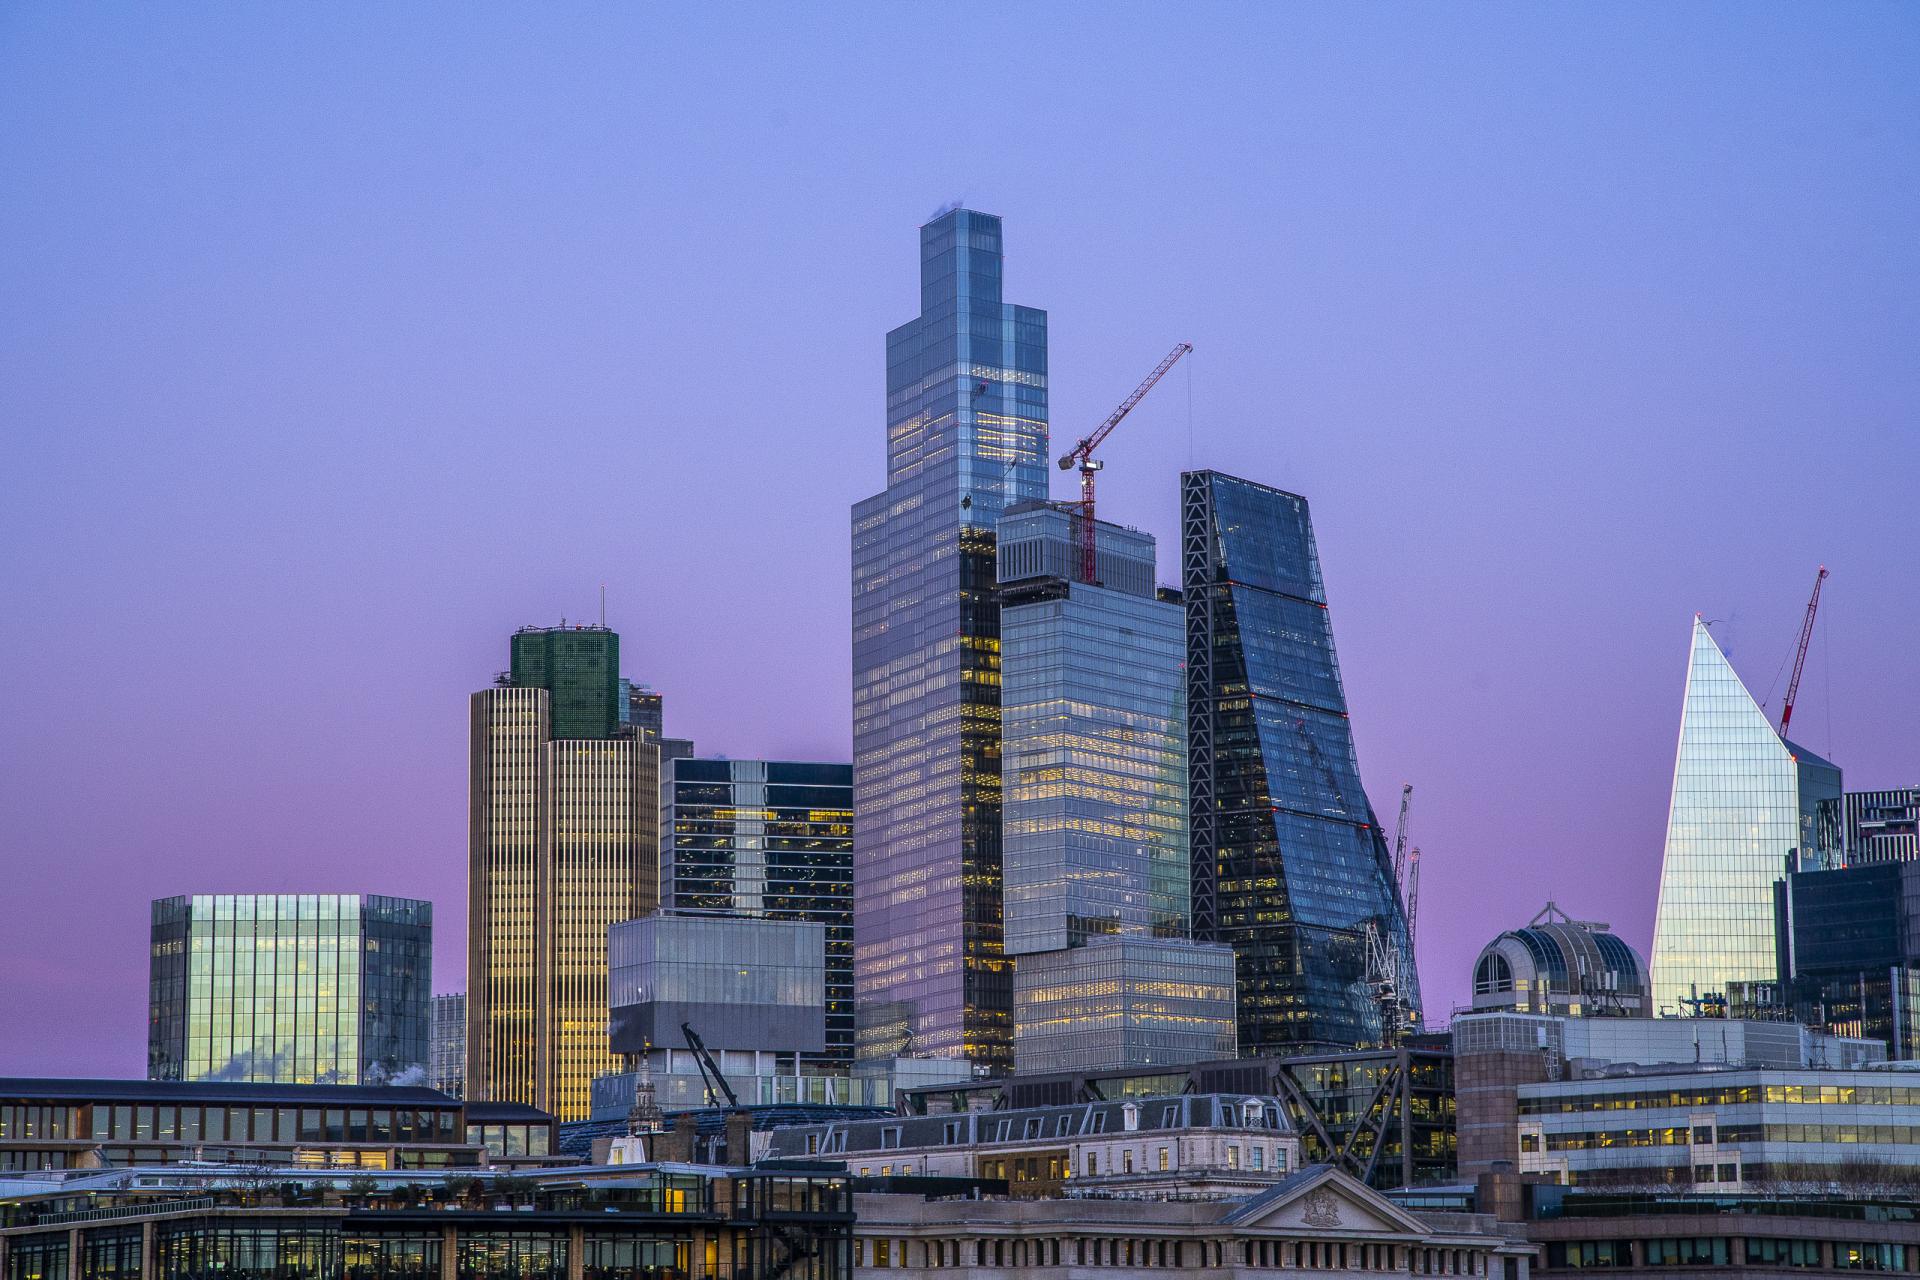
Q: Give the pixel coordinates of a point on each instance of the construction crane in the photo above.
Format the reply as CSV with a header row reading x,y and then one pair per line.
x,y
710,1076
1081,454
1412,894
1800,655
1400,835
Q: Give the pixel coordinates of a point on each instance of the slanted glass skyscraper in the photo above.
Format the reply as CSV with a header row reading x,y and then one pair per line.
x,y
966,438
1748,806
1094,775
1289,865
563,844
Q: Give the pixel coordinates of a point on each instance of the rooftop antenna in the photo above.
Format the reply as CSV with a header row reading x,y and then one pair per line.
x,y
603,606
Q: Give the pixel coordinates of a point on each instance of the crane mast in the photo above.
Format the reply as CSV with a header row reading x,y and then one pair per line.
x,y
1800,655
1400,835
1081,454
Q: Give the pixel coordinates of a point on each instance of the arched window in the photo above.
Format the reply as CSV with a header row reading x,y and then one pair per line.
x,y
1492,975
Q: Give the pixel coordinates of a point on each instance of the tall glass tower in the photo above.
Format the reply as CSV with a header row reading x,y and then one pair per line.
x,y
966,438
1748,806
1289,865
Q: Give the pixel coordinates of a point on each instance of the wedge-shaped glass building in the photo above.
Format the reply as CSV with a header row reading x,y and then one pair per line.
x,y
1748,807
966,437
1289,866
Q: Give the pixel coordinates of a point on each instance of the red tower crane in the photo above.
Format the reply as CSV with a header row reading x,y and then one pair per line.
x,y
1800,656
1082,454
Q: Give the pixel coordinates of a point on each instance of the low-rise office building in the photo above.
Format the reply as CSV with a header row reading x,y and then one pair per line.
x,y
1495,1054
1317,1219
88,1124
1733,1130
647,1222
1197,1145
1385,1115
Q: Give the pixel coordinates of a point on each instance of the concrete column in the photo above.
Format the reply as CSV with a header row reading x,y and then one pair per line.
x,y
148,1269
449,1253
73,1253
576,1252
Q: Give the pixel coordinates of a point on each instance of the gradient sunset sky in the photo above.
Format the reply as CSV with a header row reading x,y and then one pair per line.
x,y
338,341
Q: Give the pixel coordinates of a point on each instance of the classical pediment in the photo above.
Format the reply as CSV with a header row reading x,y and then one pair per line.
x,y
1320,1200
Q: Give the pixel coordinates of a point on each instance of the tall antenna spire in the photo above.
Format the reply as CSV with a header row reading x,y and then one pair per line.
x,y
603,604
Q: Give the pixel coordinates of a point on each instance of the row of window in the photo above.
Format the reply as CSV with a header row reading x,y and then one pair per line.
x,y
1719,1251
169,1123
1108,1252
1601,1139
1726,1095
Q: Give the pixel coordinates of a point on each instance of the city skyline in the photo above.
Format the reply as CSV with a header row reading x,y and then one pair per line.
x,y
1545,413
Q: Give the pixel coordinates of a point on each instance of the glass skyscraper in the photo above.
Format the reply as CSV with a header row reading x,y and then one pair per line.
x,y
771,839
563,844
290,988
966,438
1289,865
1093,772
1748,807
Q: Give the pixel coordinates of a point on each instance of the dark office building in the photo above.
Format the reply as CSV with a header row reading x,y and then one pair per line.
x,y
1883,826
966,439
579,667
1289,865
1849,944
772,839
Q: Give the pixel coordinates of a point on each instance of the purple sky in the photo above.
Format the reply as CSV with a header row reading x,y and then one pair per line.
x,y
335,343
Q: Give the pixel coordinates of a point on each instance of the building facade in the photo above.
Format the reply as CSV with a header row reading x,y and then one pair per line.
x,y
1748,806
1495,1053
1289,865
1722,1131
644,1222
772,839
564,844
1883,826
447,1069
1218,1146
1094,813
746,986
1316,1221
1557,964
966,438
89,1124
292,988
1850,951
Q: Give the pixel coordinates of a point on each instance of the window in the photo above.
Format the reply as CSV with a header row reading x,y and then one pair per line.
x,y
1163,1159
1729,1173
1256,1157
890,1137
1093,1163
1687,1251
1703,1173
1783,1253
1869,1257
951,1132
1064,1128
1233,1156
1126,1160
1099,1124
1703,1133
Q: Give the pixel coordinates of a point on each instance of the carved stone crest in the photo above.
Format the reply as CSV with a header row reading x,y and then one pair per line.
x,y
1320,1208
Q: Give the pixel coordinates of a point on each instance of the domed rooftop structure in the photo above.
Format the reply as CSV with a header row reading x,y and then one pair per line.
x,y
1563,966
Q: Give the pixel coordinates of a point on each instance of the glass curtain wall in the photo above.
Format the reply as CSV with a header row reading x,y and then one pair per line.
x,y
1289,864
966,437
289,988
1746,805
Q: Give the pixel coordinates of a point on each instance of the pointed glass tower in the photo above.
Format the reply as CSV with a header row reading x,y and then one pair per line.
x,y
1747,806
